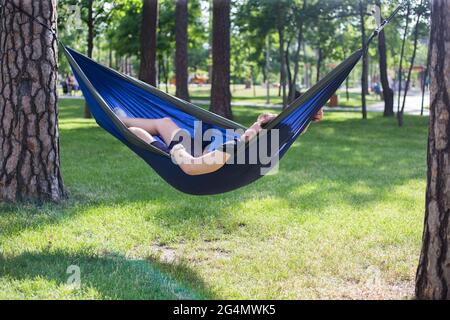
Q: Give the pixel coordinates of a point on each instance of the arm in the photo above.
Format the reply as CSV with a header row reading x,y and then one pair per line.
x,y
194,166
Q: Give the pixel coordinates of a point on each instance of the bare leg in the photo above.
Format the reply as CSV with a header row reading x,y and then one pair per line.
x,y
165,127
141,133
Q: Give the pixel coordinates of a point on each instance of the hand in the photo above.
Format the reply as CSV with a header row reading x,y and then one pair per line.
x,y
318,117
266,118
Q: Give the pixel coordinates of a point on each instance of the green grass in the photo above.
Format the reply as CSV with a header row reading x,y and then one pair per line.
x,y
258,96
342,219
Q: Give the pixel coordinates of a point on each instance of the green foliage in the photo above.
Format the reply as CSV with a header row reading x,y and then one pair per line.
x,y
333,26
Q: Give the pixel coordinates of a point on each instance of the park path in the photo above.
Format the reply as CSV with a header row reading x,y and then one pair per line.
x,y
412,106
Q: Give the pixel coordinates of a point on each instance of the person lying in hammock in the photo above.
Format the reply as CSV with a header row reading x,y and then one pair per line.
x,y
184,153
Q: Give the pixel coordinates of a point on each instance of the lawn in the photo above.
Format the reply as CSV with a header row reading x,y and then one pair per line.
x,y
257,95
342,219
354,100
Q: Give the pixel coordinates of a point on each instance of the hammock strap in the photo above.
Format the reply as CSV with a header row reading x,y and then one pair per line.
x,y
385,22
16,7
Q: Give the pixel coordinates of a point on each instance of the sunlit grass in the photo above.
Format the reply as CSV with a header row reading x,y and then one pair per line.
x,y
342,219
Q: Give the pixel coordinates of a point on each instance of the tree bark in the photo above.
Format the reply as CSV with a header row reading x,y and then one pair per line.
x,y
388,93
181,55
149,27
90,45
433,273
29,138
220,88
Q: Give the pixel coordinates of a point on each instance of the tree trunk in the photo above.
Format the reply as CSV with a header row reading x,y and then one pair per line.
x,y
90,45
181,55
424,80
282,64
388,93
402,54
364,74
293,85
411,66
288,71
433,274
220,88
347,82
267,70
29,156
306,67
147,70
319,63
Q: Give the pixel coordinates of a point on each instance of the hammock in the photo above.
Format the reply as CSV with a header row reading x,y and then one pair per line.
x,y
105,89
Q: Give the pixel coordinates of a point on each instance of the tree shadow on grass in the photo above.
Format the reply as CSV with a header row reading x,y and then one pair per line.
x,y
111,276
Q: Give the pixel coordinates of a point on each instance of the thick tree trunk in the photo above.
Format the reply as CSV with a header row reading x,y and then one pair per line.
x,y
433,274
149,27
388,93
90,45
181,55
220,88
29,138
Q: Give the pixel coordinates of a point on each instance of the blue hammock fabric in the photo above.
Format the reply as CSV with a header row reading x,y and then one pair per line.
x,y
105,89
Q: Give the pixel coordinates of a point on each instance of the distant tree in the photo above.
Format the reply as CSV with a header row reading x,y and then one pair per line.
x,y
90,44
425,78
181,43
166,41
252,38
420,10
149,27
388,93
402,54
124,29
300,15
220,89
433,277
281,9
95,15
365,62
29,156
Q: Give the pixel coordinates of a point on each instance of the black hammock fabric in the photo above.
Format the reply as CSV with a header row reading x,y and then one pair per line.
x,y
105,89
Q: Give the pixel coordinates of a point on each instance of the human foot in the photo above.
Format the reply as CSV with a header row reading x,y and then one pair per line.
x,y
120,112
